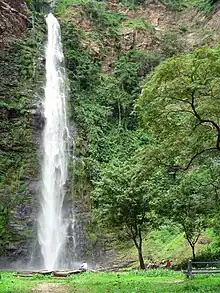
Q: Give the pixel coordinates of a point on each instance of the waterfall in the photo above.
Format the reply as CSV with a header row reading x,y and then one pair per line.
x,y
52,227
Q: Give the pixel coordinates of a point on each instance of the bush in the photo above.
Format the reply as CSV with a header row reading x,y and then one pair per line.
x,y
203,5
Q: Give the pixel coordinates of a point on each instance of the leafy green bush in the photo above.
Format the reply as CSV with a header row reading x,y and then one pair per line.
x,y
170,44
131,4
139,24
203,5
97,12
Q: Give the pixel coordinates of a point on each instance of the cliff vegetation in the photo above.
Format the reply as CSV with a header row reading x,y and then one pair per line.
x,y
144,96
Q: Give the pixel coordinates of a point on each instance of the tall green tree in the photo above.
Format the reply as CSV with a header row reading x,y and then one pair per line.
x,y
189,204
121,203
179,106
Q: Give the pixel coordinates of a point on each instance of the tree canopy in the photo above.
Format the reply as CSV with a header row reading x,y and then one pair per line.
x,y
179,105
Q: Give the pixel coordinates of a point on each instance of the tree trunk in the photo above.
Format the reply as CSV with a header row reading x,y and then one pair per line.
x,y
119,113
193,252
140,256
192,241
135,236
192,245
141,260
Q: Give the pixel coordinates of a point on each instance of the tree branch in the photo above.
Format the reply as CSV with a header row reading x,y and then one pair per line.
x,y
140,237
133,234
196,239
182,100
215,125
181,111
193,158
201,121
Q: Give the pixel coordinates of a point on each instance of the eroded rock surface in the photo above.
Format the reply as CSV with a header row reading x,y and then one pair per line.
x,y
13,20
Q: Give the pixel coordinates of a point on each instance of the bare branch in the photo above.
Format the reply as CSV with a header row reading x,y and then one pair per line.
x,y
182,100
215,125
181,111
201,121
178,168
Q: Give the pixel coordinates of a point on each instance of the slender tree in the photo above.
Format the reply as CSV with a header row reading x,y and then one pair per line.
x,y
189,204
121,203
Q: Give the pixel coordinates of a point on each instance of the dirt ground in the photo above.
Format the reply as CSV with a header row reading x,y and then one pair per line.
x,y
50,288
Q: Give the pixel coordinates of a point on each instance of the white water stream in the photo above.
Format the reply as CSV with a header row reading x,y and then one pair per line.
x,y
52,230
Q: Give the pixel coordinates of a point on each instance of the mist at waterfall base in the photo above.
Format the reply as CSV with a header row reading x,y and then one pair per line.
x,y
52,228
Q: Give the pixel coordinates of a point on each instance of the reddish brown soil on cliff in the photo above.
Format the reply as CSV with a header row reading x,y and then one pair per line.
x,y
13,20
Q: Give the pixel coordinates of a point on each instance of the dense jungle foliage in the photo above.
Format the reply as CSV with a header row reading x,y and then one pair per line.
x,y
146,152
22,74
150,157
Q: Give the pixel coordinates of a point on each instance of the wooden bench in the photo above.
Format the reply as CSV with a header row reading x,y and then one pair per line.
x,y
202,267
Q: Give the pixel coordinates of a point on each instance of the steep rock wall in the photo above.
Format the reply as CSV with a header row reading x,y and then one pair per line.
x,y
13,20
21,81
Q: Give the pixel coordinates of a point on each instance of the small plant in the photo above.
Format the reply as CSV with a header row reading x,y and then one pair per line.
x,y
183,28
203,5
170,44
131,4
139,24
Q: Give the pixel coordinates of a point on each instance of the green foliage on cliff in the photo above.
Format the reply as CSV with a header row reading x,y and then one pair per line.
x,y
125,156
21,76
37,6
102,103
139,24
203,5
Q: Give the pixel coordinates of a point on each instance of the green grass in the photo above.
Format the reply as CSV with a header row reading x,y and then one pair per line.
x,y
10,284
124,282
168,243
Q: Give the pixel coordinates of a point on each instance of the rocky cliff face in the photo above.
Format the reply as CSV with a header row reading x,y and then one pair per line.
x,y
21,80
13,20
163,26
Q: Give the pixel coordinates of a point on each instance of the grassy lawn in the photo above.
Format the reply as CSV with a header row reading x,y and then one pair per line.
x,y
127,282
167,244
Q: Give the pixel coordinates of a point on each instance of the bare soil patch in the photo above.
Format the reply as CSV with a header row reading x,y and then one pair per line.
x,y
50,288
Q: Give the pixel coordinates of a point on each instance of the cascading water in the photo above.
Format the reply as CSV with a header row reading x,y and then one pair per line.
x,y
52,228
